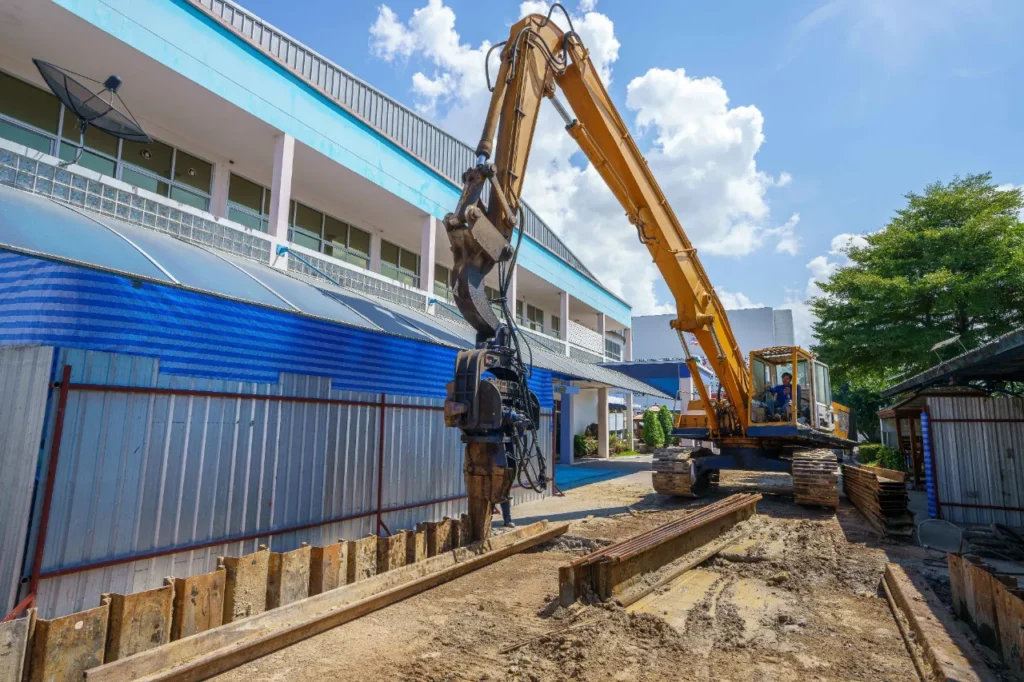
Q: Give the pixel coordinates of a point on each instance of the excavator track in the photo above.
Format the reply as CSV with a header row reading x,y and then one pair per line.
x,y
674,473
816,478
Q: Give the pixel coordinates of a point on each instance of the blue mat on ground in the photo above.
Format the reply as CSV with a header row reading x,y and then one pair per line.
x,y
568,477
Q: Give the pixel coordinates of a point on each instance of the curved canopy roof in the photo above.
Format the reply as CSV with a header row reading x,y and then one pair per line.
x,y
39,226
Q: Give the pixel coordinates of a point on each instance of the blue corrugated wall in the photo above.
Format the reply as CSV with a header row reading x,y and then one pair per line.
x,y
193,334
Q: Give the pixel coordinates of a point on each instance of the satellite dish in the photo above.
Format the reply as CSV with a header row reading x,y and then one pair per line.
x,y
93,103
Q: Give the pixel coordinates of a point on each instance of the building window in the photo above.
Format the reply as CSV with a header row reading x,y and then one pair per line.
x,y
534,318
612,349
28,115
248,203
398,263
346,242
443,283
556,326
35,118
519,313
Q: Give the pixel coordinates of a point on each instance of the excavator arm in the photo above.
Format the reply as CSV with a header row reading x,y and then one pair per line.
x,y
537,60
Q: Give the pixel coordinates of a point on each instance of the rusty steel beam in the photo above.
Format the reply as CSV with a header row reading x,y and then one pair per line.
x,y
611,572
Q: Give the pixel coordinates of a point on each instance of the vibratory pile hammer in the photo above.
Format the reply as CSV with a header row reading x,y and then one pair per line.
x,y
757,420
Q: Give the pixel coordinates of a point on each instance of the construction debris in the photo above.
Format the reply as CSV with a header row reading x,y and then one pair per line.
x,y
622,571
881,496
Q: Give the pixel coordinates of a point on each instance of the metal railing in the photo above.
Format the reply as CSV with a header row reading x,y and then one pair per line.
x,y
440,151
94,192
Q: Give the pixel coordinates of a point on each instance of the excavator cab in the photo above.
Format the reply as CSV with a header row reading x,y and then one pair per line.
x,y
790,388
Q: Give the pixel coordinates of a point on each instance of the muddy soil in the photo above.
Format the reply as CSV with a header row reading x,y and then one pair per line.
x,y
798,600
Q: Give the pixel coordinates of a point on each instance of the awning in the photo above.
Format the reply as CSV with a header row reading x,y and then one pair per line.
x,y
35,226
999,360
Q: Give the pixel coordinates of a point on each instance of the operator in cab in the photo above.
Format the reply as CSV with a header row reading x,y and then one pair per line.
x,y
783,393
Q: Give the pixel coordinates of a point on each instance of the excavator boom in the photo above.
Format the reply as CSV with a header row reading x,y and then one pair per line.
x,y
489,399
537,57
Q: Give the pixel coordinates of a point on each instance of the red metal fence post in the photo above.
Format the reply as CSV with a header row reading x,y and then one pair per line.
x,y
51,475
380,463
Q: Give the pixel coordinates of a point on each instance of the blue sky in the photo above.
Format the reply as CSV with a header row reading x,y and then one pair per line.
x,y
858,102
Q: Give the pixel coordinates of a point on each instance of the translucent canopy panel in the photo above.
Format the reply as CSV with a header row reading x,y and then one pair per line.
x,y
32,223
307,298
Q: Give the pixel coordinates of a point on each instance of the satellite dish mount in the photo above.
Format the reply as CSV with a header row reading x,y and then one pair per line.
x,y
93,103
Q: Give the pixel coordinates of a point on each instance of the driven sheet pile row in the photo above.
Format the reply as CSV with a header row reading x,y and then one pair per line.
x,y
881,496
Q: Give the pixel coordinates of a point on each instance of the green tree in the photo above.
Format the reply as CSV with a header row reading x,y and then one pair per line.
x,y
654,435
951,262
667,423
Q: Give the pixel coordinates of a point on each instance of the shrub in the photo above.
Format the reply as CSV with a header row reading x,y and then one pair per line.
x,y
617,445
584,446
877,454
654,435
667,423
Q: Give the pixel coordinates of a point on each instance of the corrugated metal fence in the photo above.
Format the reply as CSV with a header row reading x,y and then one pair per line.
x,y
24,374
158,475
977,445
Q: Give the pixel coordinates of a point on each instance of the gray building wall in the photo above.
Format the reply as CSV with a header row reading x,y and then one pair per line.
x,y
754,328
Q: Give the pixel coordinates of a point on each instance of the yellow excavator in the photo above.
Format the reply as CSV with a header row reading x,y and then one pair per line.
x,y
760,419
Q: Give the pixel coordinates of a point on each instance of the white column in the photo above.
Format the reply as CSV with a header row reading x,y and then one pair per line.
x,y
627,352
563,312
375,240
602,329
281,191
513,292
428,249
629,421
568,456
602,423
219,197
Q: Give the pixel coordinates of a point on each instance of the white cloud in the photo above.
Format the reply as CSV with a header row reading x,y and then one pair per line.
x,y
735,301
587,5
821,269
702,150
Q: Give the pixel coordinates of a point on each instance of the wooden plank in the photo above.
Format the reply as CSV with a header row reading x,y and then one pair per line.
x,y
328,567
65,648
288,576
416,546
198,603
948,654
362,559
232,644
391,552
13,645
245,587
138,621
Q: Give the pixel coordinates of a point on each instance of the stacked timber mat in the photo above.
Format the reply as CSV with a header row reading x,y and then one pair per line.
x,y
673,473
249,606
881,496
816,478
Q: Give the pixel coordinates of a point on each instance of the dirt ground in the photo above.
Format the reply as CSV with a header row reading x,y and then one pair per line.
x,y
798,600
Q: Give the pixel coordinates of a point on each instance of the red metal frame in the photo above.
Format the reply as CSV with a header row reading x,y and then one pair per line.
x,y
979,421
65,387
968,505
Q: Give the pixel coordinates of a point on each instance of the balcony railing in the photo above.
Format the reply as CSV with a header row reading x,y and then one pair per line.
x,y
39,173
585,338
445,154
